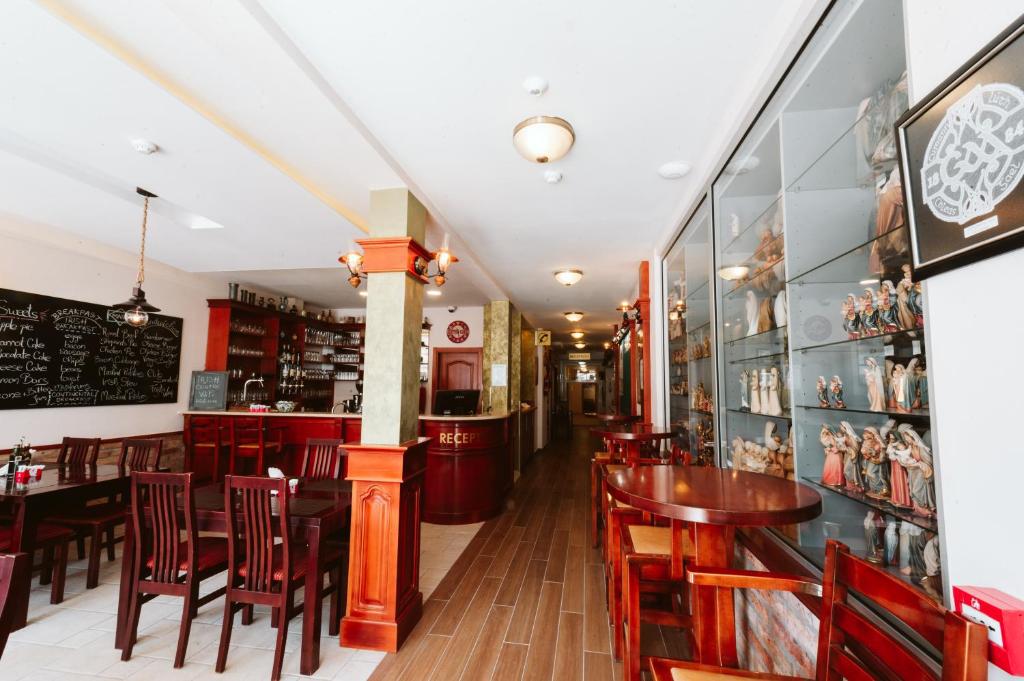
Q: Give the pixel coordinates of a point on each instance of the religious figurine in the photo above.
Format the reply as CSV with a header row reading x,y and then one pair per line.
x,y
900,389
931,582
875,465
764,390
897,452
823,393
875,385
888,319
921,401
915,553
868,314
774,407
921,474
874,528
781,310
904,550
744,387
765,315
850,445
917,303
835,389
851,319
892,541
832,471
755,391
911,374
905,310
752,313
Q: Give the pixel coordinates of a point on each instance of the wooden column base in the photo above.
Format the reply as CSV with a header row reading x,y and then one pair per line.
x,y
384,599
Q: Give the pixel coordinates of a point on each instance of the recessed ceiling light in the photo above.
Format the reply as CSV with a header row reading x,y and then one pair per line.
x,y
573,316
568,277
733,272
552,176
363,294
543,139
535,85
579,346
673,170
144,146
433,292
576,335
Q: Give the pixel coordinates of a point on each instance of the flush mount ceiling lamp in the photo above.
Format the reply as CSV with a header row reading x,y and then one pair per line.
x,y
579,346
568,277
573,316
733,272
433,292
136,309
673,170
543,139
576,335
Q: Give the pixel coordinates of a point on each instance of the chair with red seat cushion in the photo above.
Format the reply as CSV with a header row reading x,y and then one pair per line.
x,y
851,645
263,570
12,572
324,460
99,521
170,558
251,439
53,540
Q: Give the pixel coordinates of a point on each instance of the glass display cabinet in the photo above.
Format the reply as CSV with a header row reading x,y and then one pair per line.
x,y
822,368
690,361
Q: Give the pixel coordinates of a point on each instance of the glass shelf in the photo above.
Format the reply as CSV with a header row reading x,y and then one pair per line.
x,y
881,505
886,339
760,358
912,414
743,241
778,269
855,265
786,415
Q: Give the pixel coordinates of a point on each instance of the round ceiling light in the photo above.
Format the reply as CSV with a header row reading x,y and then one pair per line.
x,y
733,272
673,170
576,335
363,294
568,277
579,346
543,139
573,316
435,292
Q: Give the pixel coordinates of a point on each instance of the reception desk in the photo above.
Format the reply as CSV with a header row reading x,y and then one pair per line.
x,y
469,458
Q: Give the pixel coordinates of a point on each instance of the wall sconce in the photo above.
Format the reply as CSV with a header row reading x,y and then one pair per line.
x,y
443,257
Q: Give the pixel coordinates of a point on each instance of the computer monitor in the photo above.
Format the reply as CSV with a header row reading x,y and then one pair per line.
x,y
456,402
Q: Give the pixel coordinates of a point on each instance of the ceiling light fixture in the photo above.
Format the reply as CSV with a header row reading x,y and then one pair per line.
x,y
673,170
579,346
576,335
363,294
624,306
733,272
144,146
607,345
543,139
433,292
573,316
552,176
568,277
136,309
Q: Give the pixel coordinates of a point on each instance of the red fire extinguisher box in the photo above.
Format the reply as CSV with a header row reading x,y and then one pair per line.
x,y
1003,615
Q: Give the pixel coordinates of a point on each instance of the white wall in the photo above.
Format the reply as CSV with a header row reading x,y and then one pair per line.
x,y
43,260
974,336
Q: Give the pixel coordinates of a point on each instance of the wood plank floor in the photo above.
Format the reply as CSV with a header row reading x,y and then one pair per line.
x,y
525,601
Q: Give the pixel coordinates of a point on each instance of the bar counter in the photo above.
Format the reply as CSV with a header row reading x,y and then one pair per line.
x,y
469,458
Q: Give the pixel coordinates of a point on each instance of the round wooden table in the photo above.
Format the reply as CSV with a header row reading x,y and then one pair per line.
x,y
716,500
632,439
617,418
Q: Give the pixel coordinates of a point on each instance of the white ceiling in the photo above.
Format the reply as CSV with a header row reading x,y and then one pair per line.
x,y
277,118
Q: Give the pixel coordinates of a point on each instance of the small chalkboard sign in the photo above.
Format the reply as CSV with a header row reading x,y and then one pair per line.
x,y
209,391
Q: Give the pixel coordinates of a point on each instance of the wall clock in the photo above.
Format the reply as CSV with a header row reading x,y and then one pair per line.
x,y
458,331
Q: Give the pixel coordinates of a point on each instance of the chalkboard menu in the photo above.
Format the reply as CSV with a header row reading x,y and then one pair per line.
x,y
65,353
209,391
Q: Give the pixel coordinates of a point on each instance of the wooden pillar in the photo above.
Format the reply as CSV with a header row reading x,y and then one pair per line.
x,y
387,466
643,307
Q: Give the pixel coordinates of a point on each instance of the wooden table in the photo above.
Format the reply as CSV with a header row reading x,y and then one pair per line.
x,y
716,500
60,490
319,510
633,438
616,418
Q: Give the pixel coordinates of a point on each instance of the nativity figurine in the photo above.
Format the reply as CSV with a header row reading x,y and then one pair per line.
x,y
835,390
875,385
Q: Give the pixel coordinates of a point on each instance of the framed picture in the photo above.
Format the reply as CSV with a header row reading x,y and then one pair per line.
x,y
962,159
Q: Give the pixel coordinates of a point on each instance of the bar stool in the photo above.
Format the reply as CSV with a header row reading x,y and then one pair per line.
x,y
205,436
251,440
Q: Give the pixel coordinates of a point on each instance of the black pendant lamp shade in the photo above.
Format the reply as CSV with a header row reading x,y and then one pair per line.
x,y
138,300
137,309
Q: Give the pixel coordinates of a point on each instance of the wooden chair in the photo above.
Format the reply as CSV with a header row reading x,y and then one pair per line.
x,y
99,521
205,436
12,573
872,653
53,540
262,570
250,440
79,451
324,460
171,559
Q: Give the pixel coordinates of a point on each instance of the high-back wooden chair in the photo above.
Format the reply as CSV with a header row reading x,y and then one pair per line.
x,y
79,451
207,437
171,559
12,573
851,645
251,440
99,521
324,460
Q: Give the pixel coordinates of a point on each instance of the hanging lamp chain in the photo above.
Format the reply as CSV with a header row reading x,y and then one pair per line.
x,y
142,248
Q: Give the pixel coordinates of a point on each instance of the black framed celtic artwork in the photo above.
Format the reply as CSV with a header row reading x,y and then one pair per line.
x,y
962,156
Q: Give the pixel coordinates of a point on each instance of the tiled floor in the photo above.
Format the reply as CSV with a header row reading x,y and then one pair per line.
x,y
75,640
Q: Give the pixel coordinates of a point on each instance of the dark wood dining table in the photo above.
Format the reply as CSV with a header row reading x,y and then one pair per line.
x,y
616,418
716,501
319,511
59,490
632,439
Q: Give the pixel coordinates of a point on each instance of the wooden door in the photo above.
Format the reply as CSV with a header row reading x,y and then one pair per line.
x,y
458,369
576,398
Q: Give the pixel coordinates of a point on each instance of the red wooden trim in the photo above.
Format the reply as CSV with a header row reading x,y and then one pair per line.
x,y
394,254
106,441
